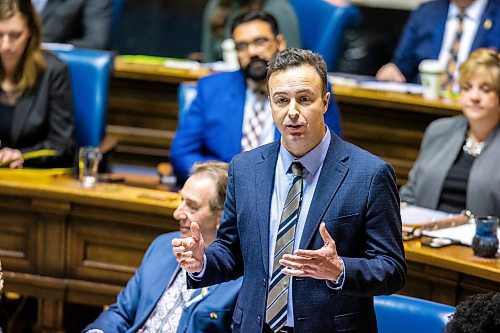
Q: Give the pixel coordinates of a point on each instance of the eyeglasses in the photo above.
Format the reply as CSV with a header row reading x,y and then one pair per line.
x,y
257,42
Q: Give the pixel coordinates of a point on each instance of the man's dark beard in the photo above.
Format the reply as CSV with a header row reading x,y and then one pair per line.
x,y
256,69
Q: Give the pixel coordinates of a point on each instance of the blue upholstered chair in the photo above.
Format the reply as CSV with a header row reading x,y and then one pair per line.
x,y
90,72
396,314
322,26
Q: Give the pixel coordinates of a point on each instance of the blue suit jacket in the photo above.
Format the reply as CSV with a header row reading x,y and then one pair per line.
x,y
212,127
423,35
356,197
136,302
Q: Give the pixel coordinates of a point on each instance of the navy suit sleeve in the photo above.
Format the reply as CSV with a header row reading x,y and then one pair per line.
x,y
382,270
224,255
404,56
332,115
121,315
187,147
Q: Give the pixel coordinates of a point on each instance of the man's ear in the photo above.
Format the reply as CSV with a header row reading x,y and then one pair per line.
x,y
326,100
280,39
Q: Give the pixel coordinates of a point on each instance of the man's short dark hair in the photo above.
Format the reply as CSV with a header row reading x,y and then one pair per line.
x,y
293,57
256,15
478,314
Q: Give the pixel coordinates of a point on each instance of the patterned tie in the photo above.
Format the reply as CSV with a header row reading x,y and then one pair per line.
x,y
277,297
452,61
254,125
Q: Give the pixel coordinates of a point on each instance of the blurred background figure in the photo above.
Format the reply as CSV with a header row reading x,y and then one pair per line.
x,y
445,30
218,16
82,23
36,105
156,298
231,111
457,167
478,314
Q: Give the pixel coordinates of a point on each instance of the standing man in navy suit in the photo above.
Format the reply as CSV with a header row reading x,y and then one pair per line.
x,y
346,242
156,298
214,126
430,31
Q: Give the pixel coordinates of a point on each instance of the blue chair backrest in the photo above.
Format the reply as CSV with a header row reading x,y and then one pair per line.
x,y
90,72
186,93
396,314
322,26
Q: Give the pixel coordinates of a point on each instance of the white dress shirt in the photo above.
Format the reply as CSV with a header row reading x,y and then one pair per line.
x,y
471,23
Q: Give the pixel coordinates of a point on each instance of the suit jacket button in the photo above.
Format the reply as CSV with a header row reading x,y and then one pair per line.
x,y
259,319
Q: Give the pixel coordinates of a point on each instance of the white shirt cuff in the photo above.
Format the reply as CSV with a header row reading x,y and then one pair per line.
x,y
337,285
198,276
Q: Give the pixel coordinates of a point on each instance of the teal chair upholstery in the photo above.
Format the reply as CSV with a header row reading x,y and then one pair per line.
x,y
322,26
90,73
396,314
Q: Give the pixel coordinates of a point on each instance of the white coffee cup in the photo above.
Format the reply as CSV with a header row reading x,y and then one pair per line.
x,y
88,164
431,75
229,54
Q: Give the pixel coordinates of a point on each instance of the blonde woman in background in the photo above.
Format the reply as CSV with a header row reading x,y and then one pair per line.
x,y
36,105
458,165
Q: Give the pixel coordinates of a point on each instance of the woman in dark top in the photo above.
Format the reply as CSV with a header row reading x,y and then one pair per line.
x,y
459,163
36,106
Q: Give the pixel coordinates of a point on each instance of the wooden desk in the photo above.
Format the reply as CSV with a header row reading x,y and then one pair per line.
x,y
60,242
390,125
450,274
143,116
143,111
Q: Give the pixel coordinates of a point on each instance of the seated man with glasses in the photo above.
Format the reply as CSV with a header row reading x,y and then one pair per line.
x,y
231,111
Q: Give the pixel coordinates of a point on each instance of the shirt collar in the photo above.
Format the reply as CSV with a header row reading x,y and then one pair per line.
x,y
310,161
473,12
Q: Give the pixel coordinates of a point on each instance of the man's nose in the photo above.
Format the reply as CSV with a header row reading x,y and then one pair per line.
x,y
293,112
179,212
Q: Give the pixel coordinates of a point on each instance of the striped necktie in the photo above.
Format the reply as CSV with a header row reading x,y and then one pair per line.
x,y
455,46
277,298
254,124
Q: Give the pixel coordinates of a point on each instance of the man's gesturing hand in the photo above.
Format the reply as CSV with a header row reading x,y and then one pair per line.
x,y
190,251
323,263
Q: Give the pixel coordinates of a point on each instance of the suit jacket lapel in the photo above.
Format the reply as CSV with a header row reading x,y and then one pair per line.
x,y
47,10
234,111
332,175
481,30
264,190
22,111
440,18
158,285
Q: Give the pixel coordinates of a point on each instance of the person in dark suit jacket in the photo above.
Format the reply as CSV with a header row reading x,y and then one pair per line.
x,y
347,244
142,305
212,128
458,165
36,104
219,14
82,23
423,36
